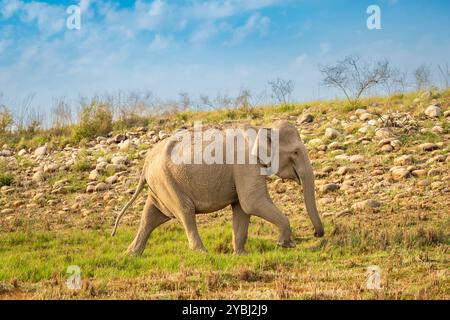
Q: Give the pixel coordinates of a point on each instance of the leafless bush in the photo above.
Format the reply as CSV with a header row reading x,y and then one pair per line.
x,y
354,77
6,120
282,90
444,74
396,82
62,113
29,118
422,76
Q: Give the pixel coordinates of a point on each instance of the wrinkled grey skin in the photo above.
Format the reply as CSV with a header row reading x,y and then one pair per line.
x,y
182,191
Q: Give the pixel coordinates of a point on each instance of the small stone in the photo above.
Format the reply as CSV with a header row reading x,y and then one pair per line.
x,y
41,151
399,173
6,153
434,172
331,133
377,172
90,188
7,211
125,146
396,144
101,187
366,205
383,133
306,118
364,116
356,158
111,180
387,148
429,146
423,183
433,111
344,170
419,173
22,152
334,146
38,177
315,142
330,187
118,160
404,160
93,175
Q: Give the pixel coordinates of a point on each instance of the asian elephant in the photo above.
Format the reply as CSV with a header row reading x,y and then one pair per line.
x,y
182,189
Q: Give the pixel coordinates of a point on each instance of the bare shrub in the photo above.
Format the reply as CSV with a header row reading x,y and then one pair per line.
x,y
422,76
282,90
6,120
354,76
61,113
444,74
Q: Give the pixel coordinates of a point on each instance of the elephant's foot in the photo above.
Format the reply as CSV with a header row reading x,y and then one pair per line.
x,y
134,250
198,247
286,244
240,252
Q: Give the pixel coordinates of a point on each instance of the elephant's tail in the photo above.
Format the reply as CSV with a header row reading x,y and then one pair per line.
x,y
133,198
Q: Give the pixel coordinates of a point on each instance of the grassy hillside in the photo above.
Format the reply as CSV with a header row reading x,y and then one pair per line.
x,y
382,182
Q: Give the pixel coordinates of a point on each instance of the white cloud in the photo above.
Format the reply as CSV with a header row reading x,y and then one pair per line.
x,y
255,24
324,48
160,43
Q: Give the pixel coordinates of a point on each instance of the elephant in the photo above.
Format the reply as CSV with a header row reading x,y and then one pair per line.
x,y
183,190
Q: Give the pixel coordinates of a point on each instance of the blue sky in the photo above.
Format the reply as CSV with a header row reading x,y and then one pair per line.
x,y
205,47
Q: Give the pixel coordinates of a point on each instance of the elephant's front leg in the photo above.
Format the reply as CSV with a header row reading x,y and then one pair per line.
x,y
151,218
240,228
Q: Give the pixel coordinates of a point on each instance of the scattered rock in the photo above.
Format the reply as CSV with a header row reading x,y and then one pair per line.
x,y
41,151
429,146
306,118
344,170
387,148
404,160
101,187
329,187
366,205
94,175
433,111
399,173
356,158
331,133
7,211
38,177
111,180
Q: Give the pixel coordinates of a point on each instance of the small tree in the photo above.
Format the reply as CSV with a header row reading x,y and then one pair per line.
x,y
422,75
62,114
282,90
444,73
95,119
6,120
354,77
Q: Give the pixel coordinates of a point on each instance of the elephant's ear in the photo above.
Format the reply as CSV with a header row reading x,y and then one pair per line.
x,y
262,147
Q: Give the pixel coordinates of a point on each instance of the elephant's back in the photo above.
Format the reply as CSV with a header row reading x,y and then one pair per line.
x,y
210,187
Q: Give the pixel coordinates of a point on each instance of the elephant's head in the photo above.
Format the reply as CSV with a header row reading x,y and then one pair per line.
x,y
294,164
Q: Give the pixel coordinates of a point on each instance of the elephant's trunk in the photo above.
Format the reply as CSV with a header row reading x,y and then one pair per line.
x,y
307,180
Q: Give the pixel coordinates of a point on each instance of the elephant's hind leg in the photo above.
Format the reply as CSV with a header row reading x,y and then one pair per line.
x,y
240,228
151,218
